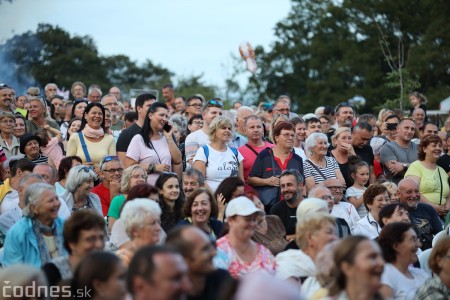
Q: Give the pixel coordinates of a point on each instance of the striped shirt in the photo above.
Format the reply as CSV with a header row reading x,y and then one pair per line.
x,y
310,169
41,159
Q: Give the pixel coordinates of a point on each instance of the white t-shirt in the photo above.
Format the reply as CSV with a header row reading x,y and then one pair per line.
x,y
194,141
355,192
10,201
403,288
139,152
220,165
300,152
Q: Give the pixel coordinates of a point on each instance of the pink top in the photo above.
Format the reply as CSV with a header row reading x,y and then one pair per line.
x,y
264,260
53,151
250,156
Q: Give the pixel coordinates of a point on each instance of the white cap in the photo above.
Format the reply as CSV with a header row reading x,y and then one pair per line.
x,y
241,206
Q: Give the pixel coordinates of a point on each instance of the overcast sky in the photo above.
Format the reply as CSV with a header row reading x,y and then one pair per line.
x,y
188,37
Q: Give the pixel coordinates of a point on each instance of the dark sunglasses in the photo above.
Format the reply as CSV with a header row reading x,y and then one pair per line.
x,y
213,102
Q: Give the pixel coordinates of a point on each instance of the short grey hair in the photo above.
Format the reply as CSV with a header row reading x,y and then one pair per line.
x,y
313,192
134,213
126,176
241,109
194,172
107,96
218,122
76,177
180,122
95,89
24,180
33,195
311,141
49,85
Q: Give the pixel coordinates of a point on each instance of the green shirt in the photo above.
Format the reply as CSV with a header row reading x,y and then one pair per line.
x,y
115,206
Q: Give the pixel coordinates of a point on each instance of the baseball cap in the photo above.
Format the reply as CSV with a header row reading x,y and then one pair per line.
x,y
241,206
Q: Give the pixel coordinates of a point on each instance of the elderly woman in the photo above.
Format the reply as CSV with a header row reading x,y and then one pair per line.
x,y
30,146
375,198
84,232
342,150
432,179
102,275
21,128
358,270
8,141
141,218
36,238
241,254
79,184
92,143
269,164
38,116
319,167
217,160
313,232
63,171
201,210
399,243
154,148
438,287
131,177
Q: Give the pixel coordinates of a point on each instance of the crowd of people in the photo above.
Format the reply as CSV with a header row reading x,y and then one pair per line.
x,y
179,198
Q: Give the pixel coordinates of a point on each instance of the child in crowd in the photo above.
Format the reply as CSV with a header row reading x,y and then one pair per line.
x,y
359,170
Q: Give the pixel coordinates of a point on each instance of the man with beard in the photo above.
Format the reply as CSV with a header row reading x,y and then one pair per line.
x,y
198,252
291,188
422,215
192,180
344,114
398,155
6,98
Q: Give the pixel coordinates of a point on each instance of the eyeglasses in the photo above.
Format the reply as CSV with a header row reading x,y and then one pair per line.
x,y
339,188
198,105
327,197
112,171
110,158
198,123
110,104
8,122
288,135
213,102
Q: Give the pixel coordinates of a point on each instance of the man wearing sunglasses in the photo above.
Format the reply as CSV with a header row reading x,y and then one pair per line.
x,y
197,139
111,175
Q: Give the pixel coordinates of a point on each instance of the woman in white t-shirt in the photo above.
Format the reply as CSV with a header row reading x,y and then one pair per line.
x,y
217,160
154,148
399,243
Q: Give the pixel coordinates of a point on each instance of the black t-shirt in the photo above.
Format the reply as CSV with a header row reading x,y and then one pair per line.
x,y
444,162
366,154
427,223
126,136
287,215
215,284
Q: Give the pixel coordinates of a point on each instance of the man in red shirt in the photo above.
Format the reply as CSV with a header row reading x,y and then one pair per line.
x,y
111,175
254,130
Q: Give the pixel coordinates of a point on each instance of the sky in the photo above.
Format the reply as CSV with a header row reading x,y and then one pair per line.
x,y
189,37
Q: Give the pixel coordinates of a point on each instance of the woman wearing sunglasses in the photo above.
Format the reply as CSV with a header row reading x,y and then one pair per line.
x,y
92,143
79,185
154,148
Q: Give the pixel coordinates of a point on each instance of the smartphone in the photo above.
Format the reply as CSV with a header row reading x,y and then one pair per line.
x,y
167,127
391,126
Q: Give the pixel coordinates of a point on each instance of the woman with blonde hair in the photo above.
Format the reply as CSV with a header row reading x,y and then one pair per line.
x,y
217,160
342,150
131,177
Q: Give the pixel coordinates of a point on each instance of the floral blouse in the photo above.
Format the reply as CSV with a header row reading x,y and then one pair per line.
x,y
264,260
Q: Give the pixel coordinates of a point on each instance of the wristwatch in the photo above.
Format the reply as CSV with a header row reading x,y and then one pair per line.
x,y
405,166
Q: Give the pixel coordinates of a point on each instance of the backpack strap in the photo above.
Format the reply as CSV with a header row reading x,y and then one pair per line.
x,y
206,150
83,145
